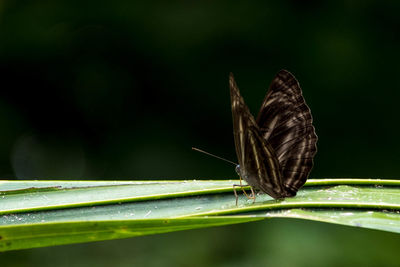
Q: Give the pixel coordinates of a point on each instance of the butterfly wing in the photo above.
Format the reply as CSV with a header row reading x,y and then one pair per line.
x,y
285,121
258,163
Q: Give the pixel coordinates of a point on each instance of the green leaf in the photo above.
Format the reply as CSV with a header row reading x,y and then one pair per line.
x,y
46,213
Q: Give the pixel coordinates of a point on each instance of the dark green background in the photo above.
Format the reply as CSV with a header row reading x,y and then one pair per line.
x,y
122,90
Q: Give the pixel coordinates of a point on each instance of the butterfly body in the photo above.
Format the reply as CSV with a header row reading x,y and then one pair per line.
x,y
276,150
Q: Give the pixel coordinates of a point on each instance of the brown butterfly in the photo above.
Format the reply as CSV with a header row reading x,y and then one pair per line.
x,y
276,150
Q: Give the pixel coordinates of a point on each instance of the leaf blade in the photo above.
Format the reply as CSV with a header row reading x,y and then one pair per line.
x,y
142,207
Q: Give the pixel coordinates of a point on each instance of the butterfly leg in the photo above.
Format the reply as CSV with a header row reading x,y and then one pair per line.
x,y
236,195
252,196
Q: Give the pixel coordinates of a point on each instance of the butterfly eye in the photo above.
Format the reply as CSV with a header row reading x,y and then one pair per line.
x,y
237,169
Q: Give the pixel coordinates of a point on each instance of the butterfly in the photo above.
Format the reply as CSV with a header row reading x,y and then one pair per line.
x,y
276,150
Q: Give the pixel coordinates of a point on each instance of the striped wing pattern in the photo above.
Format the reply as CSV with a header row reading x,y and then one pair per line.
x,y
258,163
275,152
286,123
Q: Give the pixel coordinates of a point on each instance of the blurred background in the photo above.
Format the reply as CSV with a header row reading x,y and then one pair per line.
x,y
123,90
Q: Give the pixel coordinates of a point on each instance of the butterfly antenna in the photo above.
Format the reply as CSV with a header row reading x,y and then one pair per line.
x,y
212,155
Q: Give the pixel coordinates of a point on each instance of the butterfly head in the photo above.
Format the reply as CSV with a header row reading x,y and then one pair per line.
x,y
237,169
241,173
